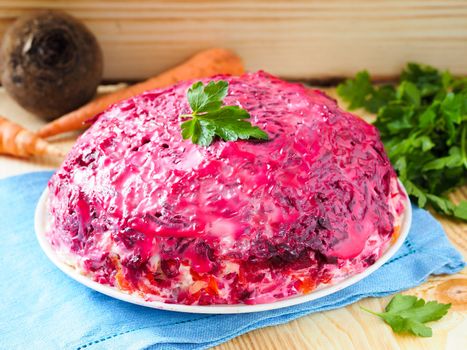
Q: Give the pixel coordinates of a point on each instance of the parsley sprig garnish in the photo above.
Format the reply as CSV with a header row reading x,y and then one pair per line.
x,y
209,118
408,314
423,125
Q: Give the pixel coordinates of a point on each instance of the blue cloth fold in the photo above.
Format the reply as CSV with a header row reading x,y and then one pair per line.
x,y
41,308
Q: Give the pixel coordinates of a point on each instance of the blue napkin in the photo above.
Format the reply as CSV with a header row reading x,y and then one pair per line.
x,y
41,308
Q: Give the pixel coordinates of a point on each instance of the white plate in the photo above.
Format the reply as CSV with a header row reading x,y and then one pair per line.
x,y
41,217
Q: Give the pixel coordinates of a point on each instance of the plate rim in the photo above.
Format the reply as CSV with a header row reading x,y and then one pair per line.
x,y
41,215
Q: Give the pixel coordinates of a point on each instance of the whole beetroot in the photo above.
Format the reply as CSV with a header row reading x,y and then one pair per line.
x,y
51,63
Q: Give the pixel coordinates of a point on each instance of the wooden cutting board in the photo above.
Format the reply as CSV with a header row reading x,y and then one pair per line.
x,y
345,328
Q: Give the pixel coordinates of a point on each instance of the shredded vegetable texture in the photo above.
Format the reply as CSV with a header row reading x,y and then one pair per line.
x,y
423,124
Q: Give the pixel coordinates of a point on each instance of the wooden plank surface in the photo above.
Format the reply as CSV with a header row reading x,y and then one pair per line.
x,y
317,38
345,328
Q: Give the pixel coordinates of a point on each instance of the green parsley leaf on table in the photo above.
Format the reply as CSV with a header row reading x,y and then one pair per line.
x,y
408,314
422,121
209,118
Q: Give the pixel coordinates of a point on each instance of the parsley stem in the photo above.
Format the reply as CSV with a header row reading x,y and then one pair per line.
x,y
369,311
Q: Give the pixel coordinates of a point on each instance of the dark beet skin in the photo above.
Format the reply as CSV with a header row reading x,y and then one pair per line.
x,y
236,222
51,63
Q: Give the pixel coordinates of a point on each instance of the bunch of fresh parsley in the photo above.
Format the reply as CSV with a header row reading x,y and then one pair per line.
x,y
408,314
209,118
423,125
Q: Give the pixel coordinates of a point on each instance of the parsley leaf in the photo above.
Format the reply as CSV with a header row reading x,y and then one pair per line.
x,y
209,118
406,313
423,125
359,92
356,90
461,210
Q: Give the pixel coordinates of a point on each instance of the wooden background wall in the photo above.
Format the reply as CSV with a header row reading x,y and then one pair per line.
x,y
292,38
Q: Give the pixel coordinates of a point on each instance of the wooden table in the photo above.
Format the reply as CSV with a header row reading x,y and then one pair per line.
x,y
291,38
346,328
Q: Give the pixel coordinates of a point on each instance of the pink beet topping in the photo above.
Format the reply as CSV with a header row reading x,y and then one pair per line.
x,y
136,206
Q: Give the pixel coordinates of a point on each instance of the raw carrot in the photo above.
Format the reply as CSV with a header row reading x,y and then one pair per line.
x,y
20,142
204,64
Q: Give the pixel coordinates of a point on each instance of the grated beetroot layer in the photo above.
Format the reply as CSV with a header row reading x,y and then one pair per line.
x,y
137,207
